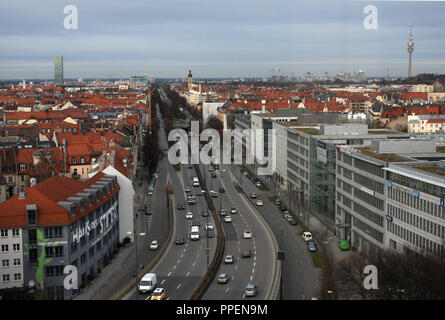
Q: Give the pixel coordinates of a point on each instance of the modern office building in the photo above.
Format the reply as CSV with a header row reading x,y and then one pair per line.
x,y
11,257
61,222
58,70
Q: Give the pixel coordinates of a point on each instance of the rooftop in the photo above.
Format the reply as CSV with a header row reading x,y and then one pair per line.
x,y
388,157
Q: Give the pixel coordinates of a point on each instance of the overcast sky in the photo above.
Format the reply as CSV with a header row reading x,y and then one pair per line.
x,y
213,38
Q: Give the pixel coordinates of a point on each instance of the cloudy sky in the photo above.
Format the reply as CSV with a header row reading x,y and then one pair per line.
x,y
242,38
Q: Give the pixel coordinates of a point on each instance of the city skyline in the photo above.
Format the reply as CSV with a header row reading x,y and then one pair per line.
x,y
115,41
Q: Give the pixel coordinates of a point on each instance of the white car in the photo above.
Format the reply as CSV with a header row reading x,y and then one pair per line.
x,y
227,219
228,259
209,226
247,234
307,236
154,245
189,215
259,203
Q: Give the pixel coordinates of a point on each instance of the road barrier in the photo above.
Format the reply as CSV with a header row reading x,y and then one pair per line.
x,y
274,290
133,283
207,279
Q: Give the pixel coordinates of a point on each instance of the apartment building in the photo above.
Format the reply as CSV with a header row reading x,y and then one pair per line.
x,y
426,123
11,257
62,221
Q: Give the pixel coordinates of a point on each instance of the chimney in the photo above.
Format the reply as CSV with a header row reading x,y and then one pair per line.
x,y
263,106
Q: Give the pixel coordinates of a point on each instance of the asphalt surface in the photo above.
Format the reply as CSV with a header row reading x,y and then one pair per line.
x,y
258,269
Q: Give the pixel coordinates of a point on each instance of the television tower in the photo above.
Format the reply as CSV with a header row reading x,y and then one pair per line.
x,y
410,51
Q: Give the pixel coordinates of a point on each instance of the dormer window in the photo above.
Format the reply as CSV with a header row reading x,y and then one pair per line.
x,y
82,160
73,160
22,167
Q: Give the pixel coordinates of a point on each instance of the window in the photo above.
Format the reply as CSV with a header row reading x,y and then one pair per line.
x,y
16,262
58,251
4,233
91,252
60,293
73,160
83,258
49,252
58,232
32,235
17,276
49,271
15,232
5,248
5,263
16,247
48,233
33,255
82,160
5,278
22,167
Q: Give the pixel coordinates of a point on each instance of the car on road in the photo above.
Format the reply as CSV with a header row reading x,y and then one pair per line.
x,y
187,189
285,211
311,246
148,209
222,212
150,190
209,226
196,223
199,192
210,234
221,190
251,290
247,253
191,200
233,211
293,222
138,269
282,207
181,205
277,202
180,240
253,195
214,194
259,185
307,236
189,215
243,172
213,174
343,245
148,283
158,170
154,245
190,166
223,278
211,168
205,213
247,234
158,294
228,259
227,219
259,202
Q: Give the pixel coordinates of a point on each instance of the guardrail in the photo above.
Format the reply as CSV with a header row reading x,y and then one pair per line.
x,y
274,290
207,279
121,293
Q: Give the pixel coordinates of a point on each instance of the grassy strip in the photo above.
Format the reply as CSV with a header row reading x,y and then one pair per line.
x,y
239,189
319,259
272,198
265,187
177,167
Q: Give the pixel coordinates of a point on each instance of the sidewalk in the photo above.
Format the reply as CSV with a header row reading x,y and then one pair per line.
x,y
99,284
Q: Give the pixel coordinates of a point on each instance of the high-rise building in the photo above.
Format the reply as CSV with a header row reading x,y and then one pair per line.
x,y
58,70
190,80
410,51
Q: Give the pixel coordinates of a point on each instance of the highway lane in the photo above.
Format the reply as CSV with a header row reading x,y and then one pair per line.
x,y
259,268
300,277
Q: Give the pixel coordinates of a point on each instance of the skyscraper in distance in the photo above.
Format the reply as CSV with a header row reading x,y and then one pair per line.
x,y
58,70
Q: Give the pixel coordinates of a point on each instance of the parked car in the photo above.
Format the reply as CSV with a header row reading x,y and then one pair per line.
x,y
247,253
214,194
190,166
222,212
148,209
307,236
282,207
138,269
154,245
150,190
343,245
277,202
253,195
251,290
293,222
180,240
228,259
311,246
223,278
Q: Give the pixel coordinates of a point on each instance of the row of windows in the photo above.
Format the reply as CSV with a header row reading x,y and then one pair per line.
x,y
54,251
7,277
55,293
16,262
51,233
415,202
369,199
297,159
369,183
416,221
364,212
377,235
54,271
369,167
15,247
417,184
414,238
302,173
5,233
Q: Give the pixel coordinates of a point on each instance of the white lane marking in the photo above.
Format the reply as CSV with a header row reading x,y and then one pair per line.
x,y
162,281
174,267
227,290
178,260
251,277
178,286
187,274
253,271
194,263
147,298
169,274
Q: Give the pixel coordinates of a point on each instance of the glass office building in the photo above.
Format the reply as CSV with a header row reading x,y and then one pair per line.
x,y
58,70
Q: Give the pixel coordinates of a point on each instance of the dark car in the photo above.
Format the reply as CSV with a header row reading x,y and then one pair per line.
x,y
311,246
148,209
205,213
221,190
181,205
293,222
210,234
247,253
195,224
180,240
190,166
213,174
138,269
282,207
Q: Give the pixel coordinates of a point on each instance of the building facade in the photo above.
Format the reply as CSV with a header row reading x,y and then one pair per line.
x,y
58,70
